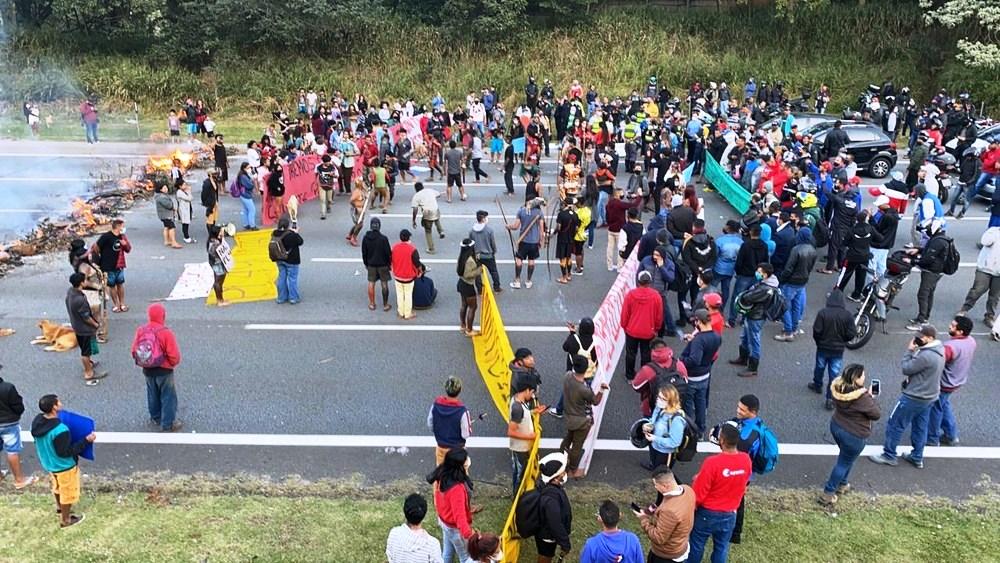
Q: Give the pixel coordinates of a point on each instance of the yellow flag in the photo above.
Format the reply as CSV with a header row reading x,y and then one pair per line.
x,y
493,351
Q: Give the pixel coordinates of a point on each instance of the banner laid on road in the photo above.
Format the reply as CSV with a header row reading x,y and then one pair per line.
x,y
492,349
510,543
195,282
253,277
609,340
727,187
300,181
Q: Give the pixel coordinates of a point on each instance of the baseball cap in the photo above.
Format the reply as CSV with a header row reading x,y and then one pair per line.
x,y
881,200
713,300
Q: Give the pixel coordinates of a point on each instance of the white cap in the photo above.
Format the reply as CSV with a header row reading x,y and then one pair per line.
x,y
553,465
881,200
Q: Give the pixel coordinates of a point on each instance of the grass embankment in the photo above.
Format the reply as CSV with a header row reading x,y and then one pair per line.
x,y
846,46
193,519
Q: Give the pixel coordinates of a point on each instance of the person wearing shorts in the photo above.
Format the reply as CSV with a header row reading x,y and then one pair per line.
x,y
57,454
376,254
11,409
530,221
454,159
85,326
110,249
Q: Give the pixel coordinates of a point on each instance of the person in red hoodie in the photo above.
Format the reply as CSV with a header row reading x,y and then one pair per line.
x,y
452,491
155,350
718,489
641,319
663,361
990,169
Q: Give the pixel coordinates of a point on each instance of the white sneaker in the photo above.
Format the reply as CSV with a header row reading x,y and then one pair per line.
x,y
527,284
516,284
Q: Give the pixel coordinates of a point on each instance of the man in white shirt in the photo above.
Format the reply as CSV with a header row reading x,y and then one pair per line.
x,y
409,542
425,201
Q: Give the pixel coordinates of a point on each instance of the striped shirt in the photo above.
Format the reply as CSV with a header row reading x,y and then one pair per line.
x,y
408,546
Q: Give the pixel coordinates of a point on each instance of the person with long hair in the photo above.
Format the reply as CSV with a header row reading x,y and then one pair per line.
x,y
855,409
470,279
244,179
93,285
452,492
691,200
665,430
485,548
220,259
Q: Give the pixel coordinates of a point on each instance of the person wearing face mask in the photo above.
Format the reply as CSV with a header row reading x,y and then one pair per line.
x,y
665,430
611,544
485,548
452,492
753,304
554,508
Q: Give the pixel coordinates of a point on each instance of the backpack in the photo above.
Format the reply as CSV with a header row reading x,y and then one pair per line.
x,y
235,189
148,352
326,177
528,514
664,376
776,306
951,257
689,443
766,457
276,250
821,234
682,272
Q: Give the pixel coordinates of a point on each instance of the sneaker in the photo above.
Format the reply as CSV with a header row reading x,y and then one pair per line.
x,y
814,388
828,499
527,284
577,271
946,441
554,412
932,444
440,235
785,337
611,268
828,405
498,289
960,215
883,459
516,284
918,463
800,332
590,247
73,521
854,298
915,326
844,489
189,240
949,213
175,427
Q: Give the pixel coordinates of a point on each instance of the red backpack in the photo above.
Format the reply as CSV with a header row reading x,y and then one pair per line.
x,y
148,352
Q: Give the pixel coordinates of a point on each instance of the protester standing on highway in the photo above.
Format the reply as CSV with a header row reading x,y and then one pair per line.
x,y
288,261
641,319
579,399
958,353
184,210
753,304
663,368
611,543
166,212
210,196
521,430
719,487
452,492
486,247
850,426
326,179
245,184
470,285
155,350
406,266
220,158
832,330
110,249
530,222
565,231
615,213
376,255
844,210
57,454
11,409
922,366
410,542
81,317
554,507
665,430
425,202
931,261
220,259
987,277
794,277
668,524
728,249
752,253
698,357
94,287
886,222
454,160
449,419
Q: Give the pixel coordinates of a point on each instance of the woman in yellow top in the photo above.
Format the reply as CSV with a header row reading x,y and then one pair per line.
x,y
470,284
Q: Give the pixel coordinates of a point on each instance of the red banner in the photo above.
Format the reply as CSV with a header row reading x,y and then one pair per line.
x,y
300,181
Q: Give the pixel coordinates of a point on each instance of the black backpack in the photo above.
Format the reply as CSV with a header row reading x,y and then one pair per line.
x,y
682,273
821,234
528,514
689,444
664,376
776,305
952,258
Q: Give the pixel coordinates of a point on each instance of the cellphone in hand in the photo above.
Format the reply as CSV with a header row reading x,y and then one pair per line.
x,y
876,387
635,507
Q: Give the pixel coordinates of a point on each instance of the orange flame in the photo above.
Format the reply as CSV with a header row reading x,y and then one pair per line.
x,y
85,213
165,163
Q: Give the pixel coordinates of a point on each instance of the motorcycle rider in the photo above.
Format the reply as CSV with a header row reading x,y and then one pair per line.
x,y
531,94
885,219
931,263
968,172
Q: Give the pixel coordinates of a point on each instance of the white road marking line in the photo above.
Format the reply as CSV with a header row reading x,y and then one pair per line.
x,y
424,260
74,155
388,328
956,221
381,441
46,179
408,216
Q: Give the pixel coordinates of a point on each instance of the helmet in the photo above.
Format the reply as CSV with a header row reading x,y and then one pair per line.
x,y
636,434
652,79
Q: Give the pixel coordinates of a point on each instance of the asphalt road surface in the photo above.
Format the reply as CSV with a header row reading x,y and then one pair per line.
x,y
367,376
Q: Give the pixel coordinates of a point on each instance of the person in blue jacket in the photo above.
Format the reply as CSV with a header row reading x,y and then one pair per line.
x,y
611,545
665,431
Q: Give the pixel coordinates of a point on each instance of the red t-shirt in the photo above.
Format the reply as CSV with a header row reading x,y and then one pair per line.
x,y
721,481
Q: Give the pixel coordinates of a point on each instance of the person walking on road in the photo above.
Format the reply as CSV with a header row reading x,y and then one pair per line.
x,y
668,524
449,419
922,366
987,277
110,249
851,425
11,409
452,492
641,319
719,487
470,285
425,202
288,259
530,222
958,353
81,318
376,254
579,399
931,261
486,247
155,350
611,543
794,277
57,454
406,267
410,542
554,508
832,330
753,304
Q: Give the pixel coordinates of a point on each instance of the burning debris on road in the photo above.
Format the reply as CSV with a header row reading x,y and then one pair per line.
x,y
93,215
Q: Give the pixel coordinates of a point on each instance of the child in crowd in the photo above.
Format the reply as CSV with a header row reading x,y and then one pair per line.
x,y
174,126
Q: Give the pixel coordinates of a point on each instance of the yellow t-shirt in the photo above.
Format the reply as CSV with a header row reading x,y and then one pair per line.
x,y
583,214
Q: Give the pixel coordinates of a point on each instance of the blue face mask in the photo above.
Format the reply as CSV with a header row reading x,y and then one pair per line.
x,y
759,276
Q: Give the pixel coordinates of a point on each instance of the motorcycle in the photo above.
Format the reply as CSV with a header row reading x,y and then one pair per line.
x,y
880,289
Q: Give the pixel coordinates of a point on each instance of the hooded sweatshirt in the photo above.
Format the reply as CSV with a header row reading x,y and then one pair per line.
x,y
923,368
751,254
578,342
11,403
157,315
449,419
801,259
486,244
699,252
988,260
663,275
56,452
642,313
375,250
834,325
612,547
854,409
765,237
644,378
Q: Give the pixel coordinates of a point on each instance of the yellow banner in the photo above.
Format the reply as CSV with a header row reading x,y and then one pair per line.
x,y
253,275
509,542
492,350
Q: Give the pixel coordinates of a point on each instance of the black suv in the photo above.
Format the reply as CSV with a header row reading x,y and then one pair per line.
x,y
873,150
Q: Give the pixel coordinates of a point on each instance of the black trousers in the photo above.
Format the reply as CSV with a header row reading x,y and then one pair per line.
x,y
632,346
860,272
491,266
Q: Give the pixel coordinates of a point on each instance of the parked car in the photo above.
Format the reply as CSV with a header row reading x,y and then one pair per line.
x,y
983,138
873,150
803,120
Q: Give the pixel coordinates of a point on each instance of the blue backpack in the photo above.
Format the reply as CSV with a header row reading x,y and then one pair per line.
x,y
766,457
